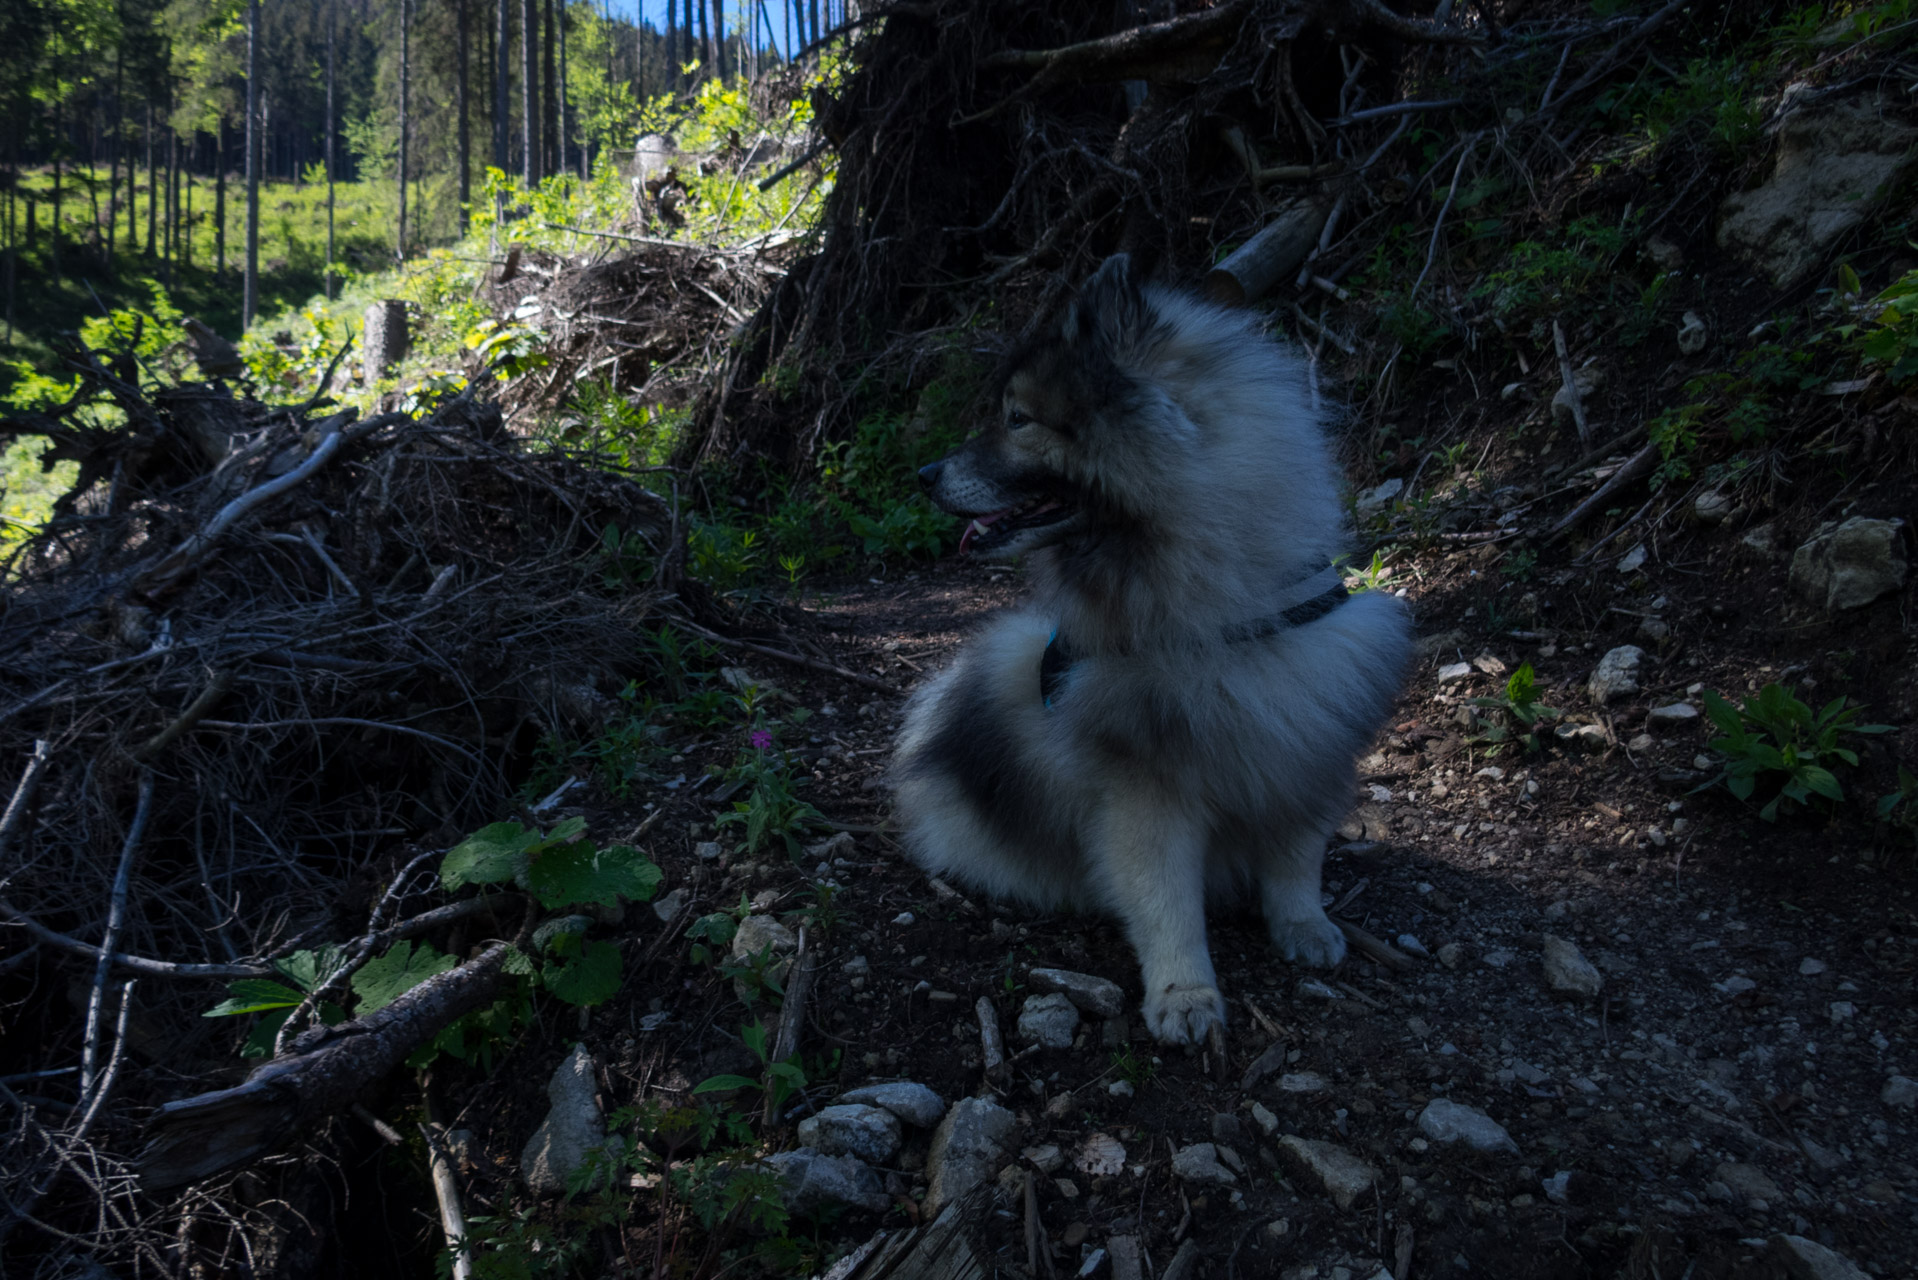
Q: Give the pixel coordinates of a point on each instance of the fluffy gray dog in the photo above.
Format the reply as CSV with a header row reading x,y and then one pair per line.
x,y
1175,715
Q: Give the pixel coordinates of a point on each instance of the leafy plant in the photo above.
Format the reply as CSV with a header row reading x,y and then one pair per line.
x,y
1776,740
1521,709
1899,809
1891,341
1135,1070
306,972
770,813
779,1080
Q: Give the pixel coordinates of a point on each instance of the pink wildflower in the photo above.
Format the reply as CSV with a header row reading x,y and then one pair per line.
x,y
762,739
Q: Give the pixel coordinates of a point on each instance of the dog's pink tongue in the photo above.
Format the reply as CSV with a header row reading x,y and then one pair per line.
x,y
975,528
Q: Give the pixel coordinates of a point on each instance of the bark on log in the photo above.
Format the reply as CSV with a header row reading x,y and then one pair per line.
x,y
1158,51
211,1133
386,339
1268,257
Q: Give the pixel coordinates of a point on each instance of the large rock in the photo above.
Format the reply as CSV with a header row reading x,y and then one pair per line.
x,y
854,1129
573,1128
1100,997
914,1103
811,1180
967,1149
1833,165
1049,1021
1568,971
1616,675
763,936
1328,1166
1847,566
1900,1091
1749,1182
1805,1259
1446,1121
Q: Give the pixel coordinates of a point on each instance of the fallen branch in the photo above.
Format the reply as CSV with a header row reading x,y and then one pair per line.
x,y
1375,949
1637,466
797,659
447,1191
1128,55
139,964
23,790
1570,381
210,1133
116,919
1375,13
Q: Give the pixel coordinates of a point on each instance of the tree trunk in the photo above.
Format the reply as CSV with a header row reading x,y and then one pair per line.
x,y
327,282
551,161
705,36
559,24
817,30
172,195
406,74
502,79
719,38
672,43
113,154
466,135
219,203
198,1137
529,90
153,187
250,294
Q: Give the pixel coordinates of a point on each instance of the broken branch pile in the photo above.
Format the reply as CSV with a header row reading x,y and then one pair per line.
x,y
257,651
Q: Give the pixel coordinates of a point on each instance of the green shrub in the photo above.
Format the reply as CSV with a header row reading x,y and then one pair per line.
x,y
1777,742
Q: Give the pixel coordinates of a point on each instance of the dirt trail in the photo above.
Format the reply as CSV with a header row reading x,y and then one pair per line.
x,y
1732,1078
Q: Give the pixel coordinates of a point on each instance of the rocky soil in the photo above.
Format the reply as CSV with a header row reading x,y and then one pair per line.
x,y
1622,1026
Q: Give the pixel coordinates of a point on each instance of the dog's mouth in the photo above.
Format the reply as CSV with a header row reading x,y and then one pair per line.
x,y
989,532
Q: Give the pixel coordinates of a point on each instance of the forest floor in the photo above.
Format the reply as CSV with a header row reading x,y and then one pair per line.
x,y
1733,1078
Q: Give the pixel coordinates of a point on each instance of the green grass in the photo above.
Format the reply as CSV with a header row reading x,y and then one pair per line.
x,y
292,250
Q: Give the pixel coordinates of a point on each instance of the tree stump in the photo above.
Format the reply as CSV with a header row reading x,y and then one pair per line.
x,y
385,341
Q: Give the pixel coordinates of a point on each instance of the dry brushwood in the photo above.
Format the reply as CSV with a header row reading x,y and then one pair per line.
x,y
257,651
987,148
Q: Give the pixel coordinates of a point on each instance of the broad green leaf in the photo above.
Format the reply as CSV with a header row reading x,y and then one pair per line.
x,y
492,855
579,873
309,969
592,977
259,1041
718,1084
385,979
566,832
254,995
517,963
1724,715
1821,781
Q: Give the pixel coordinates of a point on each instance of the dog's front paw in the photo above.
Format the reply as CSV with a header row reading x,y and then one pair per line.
x,y
1182,1014
1310,942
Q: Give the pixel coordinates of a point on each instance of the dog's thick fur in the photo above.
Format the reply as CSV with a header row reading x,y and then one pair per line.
x,y
1162,464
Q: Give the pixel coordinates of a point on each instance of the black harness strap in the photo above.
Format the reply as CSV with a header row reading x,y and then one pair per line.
x,y
1057,660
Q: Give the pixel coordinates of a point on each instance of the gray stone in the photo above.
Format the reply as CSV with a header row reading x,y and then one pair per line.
x,y
1100,1155
1586,380
1100,997
1808,1260
1674,716
1582,737
1568,971
1199,1164
1632,561
757,933
1763,539
1048,1021
1616,675
671,905
1810,967
1371,501
1328,1166
1693,333
1847,566
914,1103
967,1149
573,1127
1901,1092
1267,1122
1446,1121
1833,164
1712,507
1047,1159
1454,672
1451,955
811,1180
1558,1187
852,1129
1313,989
1747,1182
1302,1082
707,850
1126,1263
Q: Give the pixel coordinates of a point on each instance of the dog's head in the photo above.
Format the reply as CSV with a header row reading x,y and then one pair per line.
x,y
1028,480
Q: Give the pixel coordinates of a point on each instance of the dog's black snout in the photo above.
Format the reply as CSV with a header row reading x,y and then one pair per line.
x,y
929,475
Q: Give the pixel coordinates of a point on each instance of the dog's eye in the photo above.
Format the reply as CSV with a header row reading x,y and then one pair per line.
x,y
1016,418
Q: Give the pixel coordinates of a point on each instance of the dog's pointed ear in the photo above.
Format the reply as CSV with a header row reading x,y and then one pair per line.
x,y
1111,309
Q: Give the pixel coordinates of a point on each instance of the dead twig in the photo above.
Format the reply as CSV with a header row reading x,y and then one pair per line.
x,y
1570,381
798,660
116,919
